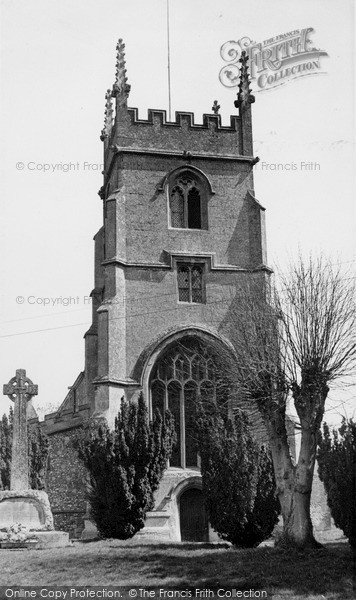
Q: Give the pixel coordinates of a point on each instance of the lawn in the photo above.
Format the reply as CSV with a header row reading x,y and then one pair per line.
x,y
324,574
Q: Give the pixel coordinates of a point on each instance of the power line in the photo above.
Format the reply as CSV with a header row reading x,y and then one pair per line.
x,y
39,330
89,305
132,315
64,312
129,298
127,315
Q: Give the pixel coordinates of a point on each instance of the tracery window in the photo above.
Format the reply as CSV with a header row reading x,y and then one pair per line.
x,y
190,282
183,374
187,198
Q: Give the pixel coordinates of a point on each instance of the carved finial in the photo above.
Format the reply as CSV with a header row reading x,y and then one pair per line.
x,y
121,88
108,119
216,107
244,95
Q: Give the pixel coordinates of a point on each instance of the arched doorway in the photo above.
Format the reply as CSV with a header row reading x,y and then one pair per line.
x,y
193,517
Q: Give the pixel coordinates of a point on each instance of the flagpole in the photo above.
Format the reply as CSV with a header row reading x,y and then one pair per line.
x,y
169,66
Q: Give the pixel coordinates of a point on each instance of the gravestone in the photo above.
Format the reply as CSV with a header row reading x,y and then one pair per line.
x,y
20,389
21,504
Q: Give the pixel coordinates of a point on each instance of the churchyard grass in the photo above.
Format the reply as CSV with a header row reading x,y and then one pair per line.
x,y
324,574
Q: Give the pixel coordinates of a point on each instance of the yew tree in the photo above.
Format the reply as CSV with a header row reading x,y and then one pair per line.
x,y
291,344
237,477
337,469
125,466
5,450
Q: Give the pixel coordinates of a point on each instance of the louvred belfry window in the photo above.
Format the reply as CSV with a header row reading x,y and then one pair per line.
x,y
190,282
177,207
186,202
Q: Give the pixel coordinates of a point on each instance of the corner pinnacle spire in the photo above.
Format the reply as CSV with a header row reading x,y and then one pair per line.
x,y
121,88
244,94
108,119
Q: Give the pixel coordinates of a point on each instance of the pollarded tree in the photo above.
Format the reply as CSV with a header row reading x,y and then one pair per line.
x,y
38,450
293,342
238,479
125,467
337,470
316,304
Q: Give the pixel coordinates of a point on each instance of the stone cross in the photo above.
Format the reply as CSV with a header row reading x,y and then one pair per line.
x,y
20,390
216,107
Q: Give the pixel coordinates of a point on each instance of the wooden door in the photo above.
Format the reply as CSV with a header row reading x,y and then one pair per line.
x,y
193,517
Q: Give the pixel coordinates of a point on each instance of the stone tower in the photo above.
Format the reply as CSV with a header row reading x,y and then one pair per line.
x,y
181,228
181,225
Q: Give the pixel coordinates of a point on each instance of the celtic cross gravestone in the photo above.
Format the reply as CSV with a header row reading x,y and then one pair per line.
x,y
20,504
20,389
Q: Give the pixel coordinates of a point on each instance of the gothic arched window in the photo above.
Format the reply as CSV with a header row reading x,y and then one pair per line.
x,y
184,374
188,201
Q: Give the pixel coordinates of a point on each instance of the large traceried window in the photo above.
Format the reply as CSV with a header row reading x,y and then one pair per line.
x,y
183,374
187,198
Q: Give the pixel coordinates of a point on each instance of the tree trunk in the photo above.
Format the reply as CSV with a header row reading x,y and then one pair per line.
x,y
297,524
294,484
295,492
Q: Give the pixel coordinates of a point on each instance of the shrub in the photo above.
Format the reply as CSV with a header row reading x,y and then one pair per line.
x,y
238,480
336,458
125,467
5,450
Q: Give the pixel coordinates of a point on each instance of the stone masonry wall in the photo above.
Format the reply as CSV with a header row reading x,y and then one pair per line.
x,y
146,213
155,133
138,232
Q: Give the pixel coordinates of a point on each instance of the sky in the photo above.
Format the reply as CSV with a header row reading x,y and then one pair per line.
x,y
58,60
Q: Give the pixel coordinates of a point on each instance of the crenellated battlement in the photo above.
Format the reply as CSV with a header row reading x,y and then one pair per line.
x,y
180,137
124,129
210,121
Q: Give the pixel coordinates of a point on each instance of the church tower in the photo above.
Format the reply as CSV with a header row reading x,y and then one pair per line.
x,y
181,229
181,226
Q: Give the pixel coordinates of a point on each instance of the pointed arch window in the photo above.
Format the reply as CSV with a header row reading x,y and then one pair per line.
x,y
188,202
182,376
